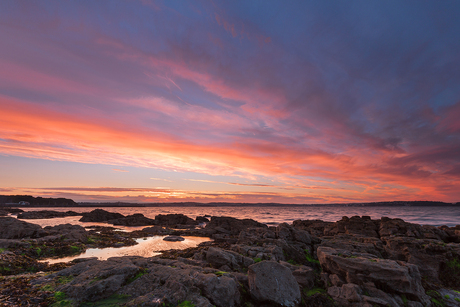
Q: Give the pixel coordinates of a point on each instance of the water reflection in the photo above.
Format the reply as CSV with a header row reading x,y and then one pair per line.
x,y
146,247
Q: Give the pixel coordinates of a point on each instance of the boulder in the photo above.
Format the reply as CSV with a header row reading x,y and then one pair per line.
x,y
357,268
272,282
100,215
11,228
136,219
173,220
45,214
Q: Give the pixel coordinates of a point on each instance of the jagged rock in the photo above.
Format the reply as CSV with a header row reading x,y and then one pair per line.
x,y
357,268
12,228
174,220
356,225
45,214
255,235
304,275
289,233
136,219
68,231
266,252
230,225
314,227
100,215
272,282
218,258
173,238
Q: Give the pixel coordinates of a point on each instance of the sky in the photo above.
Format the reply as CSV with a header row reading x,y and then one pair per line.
x,y
299,102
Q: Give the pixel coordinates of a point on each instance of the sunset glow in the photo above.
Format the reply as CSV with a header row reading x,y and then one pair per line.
x,y
239,101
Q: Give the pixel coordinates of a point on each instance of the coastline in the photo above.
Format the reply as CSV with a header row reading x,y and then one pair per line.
x,y
356,261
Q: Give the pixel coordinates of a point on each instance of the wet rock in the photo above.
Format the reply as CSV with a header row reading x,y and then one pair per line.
x,y
172,220
157,230
45,214
12,228
100,215
272,282
357,268
173,238
133,220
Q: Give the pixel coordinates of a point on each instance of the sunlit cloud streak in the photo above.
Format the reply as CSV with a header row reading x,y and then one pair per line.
x,y
326,103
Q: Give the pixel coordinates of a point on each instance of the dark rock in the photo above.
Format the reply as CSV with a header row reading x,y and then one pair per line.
x,y
133,220
355,225
157,230
173,238
68,232
272,282
218,258
230,225
3,213
45,214
172,220
12,228
99,215
201,219
358,268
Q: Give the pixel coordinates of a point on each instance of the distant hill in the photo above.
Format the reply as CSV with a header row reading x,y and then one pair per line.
x,y
7,200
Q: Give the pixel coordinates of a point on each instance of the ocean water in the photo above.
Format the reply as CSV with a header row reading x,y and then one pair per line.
x,y
274,215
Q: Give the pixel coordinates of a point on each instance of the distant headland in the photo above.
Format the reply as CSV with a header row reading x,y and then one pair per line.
x,y
31,201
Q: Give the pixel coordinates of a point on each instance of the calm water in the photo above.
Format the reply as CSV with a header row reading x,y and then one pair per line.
x,y
146,247
273,215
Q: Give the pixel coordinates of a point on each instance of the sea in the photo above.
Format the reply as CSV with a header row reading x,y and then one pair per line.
x,y
270,215
274,215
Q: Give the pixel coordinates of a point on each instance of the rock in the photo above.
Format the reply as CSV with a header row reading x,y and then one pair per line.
x,y
172,220
97,280
218,258
12,228
201,219
157,230
173,238
99,215
45,214
69,232
305,276
222,291
272,282
3,213
230,225
397,276
136,219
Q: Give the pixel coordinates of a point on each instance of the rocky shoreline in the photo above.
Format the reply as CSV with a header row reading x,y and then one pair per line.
x,y
356,261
